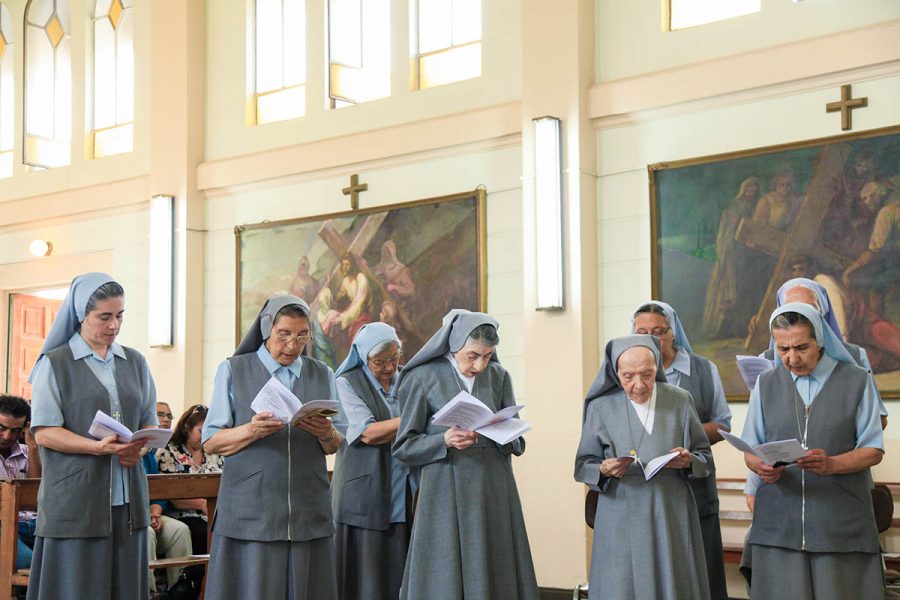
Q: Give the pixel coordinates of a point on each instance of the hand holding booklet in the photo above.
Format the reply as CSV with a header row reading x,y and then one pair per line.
x,y
104,425
276,398
776,454
468,412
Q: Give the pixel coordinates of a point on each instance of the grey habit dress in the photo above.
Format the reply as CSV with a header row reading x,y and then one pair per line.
x,y
273,529
95,547
647,539
371,490
468,539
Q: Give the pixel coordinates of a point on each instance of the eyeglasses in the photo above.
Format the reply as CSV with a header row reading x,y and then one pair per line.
x,y
285,337
166,415
380,362
658,332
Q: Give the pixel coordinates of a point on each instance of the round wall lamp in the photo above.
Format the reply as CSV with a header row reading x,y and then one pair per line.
x,y
40,248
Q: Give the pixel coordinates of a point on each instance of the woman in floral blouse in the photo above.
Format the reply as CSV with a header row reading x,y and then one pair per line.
x,y
184,454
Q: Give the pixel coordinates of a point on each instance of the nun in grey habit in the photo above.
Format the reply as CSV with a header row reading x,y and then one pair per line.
x,y
468,538
371,490
273,529
92,504
647,540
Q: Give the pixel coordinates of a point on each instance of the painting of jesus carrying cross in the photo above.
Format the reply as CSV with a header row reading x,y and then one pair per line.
x,y
729,230
405,265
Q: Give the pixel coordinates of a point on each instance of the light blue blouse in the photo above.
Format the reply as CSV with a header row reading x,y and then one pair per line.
x,y
355,417
720,412
221,407
46,402
868,422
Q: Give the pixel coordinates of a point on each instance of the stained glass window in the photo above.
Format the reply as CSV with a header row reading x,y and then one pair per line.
x,y
113,74
48,84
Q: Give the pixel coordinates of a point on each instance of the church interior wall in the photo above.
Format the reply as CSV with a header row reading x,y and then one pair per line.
x,y
631,41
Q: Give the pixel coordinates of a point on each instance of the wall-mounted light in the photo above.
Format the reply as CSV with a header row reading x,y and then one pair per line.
x,y
40,248
162,269
548,212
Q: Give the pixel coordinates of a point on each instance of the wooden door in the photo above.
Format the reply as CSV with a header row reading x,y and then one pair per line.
x,y
29,323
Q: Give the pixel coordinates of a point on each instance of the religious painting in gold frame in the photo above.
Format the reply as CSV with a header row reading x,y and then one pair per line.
x,y
404,264
728,230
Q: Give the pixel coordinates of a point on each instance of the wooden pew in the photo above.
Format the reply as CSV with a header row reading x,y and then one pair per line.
x,y
21,494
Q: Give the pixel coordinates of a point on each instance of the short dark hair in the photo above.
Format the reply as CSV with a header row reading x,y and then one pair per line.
x,y
15,406
110,289
193,415
791,319
650,307
291,310
485,334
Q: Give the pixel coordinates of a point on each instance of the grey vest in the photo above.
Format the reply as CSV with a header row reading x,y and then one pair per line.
x,y
700,385
277,487
83,476
361,495
838,508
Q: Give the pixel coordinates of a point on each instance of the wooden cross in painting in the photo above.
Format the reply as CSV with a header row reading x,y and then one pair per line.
x,y
801,238
339,246
353,191
845,105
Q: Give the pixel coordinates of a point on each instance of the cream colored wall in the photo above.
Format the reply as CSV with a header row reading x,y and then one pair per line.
x,y
631,40
228,134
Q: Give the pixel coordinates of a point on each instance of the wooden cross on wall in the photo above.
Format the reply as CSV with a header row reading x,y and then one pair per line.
x,y
845,105
353,191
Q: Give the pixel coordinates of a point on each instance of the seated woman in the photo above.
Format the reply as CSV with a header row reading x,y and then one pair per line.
x,y
647,539
468,538
184,454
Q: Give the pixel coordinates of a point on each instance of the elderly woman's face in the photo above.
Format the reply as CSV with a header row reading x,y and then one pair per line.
x,y
288,338
656,325
384,364
637,373
473,358
101,326
797,348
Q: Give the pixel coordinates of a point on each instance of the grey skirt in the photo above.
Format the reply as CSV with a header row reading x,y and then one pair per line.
x,y
104,568
370,563
250,570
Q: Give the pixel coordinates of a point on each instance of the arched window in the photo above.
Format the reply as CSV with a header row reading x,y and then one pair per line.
x,y
449,40
48,84
7,94
280,60
113,74
359,50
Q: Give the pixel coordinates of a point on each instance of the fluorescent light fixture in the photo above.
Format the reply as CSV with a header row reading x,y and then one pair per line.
x,y
39,248
548,212
162,269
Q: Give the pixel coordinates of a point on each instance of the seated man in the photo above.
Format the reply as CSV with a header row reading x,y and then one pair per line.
x,y
17,462
171,536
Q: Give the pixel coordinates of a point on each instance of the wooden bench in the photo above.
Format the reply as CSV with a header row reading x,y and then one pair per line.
x,y
21,494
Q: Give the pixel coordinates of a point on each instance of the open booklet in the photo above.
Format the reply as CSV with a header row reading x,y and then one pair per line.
x,y
654,466
468,412
776,454
104,425
276,398
751,367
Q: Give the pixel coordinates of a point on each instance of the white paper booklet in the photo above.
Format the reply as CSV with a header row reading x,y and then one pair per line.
x,y
105,426
468,412
751,367
277,399
780,453
653,467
